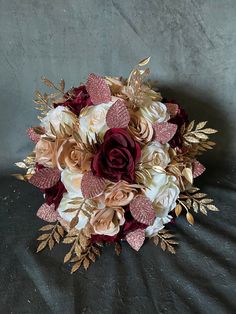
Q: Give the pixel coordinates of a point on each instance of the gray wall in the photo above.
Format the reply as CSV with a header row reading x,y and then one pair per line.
x,y
192,44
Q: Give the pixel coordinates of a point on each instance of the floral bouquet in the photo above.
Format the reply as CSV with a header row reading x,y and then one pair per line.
x,y
114,161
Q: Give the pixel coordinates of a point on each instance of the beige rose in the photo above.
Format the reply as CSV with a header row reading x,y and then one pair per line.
x,y
120,194
69,156
45,152
107,221
140,128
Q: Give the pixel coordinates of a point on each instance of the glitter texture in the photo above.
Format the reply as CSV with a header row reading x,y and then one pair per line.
x,y
164,132
47,213
91,185
98,89
172,109
33,135
142,210
136,239
198,169
45,178
118,115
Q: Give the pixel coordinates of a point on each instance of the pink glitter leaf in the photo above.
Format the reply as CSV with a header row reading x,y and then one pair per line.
x,y
172,109
47,213
45,178
98,89
142,210
164,132
198,169
118,115
136,238
91,185
33,135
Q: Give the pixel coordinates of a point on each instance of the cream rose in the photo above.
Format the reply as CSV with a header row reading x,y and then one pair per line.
x,y
107,221
163,192
65,204
94,121
45,152
156,154
71,157
156,112
58,116
159,224
120,194
72,182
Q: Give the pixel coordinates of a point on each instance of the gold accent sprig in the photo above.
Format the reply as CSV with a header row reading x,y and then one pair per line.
x,y
50,238
164,238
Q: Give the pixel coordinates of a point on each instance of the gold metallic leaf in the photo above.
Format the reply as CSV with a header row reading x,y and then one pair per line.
x,y
187,173
56,237
67,257
178,209
60,230
43,237
212,207
47,82
68,240
47,227
86,263
51,243
190,218
201,125
41,246
144,62
75,267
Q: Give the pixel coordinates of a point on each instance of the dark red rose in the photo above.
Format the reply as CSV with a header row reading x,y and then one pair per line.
x,y
117,156
180,118
54,194
79,99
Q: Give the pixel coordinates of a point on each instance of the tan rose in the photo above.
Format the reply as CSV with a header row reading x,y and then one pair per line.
x,y
71,157
45,152
107,221
120,194
140,128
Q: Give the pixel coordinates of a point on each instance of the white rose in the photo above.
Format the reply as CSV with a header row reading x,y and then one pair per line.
x,y
65,204
94,121
157,154
163,192
156,112
72,182
57,116
158,225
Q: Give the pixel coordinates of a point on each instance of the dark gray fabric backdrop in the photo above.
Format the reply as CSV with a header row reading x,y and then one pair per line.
x,y
193,49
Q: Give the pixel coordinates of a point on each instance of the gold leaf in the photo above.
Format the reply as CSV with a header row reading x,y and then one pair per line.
x,y
163,245
68,240
171,249
43,237
18,176
144,62
117,248
201,136
212,207
96,250
70,210
78,250
209,131
201,125
60,230
190,218
86,263
203,209
75,267
51,243
67,257
191,139
190,126
62,85
47,82
47,227
156,240
56,237
21,165
41,246
199,195
178,209
195,206
187,173
207,200
74,222
92,256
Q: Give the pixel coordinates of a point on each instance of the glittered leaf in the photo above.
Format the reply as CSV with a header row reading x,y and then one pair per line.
x,y
198,168
164,131
47,213
142,210
118,115
172,109
33,135
45,178
136,238
98,89
91,185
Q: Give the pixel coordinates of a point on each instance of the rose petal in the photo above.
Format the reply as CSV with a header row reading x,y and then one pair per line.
x,y
91,185
33,135
142,210
136,238
118,115
98,89
47,213
198,169
164,131
172,109
45,178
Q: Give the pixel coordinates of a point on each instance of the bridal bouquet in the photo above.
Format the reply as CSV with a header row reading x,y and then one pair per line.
x,y
114,161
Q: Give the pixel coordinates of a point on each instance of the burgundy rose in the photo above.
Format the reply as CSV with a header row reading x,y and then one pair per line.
x,y
54,194
117,156
77,101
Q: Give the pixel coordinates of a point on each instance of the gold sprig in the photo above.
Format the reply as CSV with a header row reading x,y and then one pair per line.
x,y
164,238
50,238
89,145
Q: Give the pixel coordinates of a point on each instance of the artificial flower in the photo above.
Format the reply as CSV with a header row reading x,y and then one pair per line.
x,y
140,128
155,112
156,154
